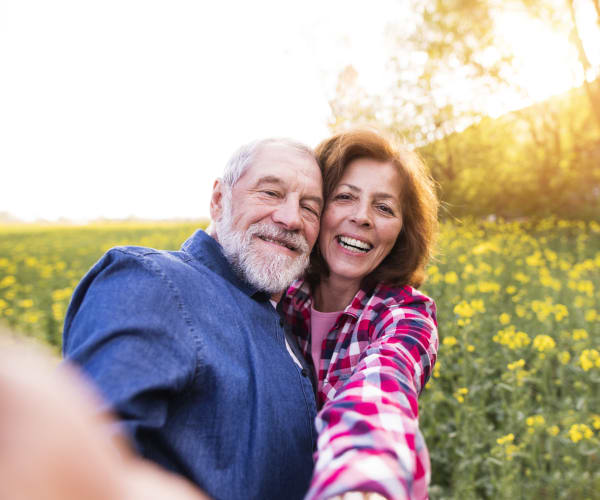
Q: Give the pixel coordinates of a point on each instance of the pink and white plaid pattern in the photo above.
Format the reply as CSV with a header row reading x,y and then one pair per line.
x,y
375,362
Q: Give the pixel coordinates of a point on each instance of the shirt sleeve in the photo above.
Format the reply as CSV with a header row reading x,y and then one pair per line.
x,y
369,437
124,329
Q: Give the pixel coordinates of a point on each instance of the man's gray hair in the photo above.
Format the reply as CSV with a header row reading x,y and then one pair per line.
x,y
242,158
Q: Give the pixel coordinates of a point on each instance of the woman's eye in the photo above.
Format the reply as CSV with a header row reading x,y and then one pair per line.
x,y
386,209
343,196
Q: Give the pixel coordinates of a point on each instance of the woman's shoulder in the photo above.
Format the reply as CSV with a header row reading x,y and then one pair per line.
x,y
399,303
406,295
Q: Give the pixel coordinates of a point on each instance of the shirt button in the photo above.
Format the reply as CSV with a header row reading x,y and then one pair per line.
x,y
281,322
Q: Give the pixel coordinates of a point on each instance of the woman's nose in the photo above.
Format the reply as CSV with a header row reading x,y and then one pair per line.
x,y
361,216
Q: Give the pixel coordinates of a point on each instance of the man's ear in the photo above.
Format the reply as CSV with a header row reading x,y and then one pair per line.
x,y
216,200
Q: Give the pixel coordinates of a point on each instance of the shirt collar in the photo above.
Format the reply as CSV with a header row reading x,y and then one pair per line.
x,y
299,294
204,248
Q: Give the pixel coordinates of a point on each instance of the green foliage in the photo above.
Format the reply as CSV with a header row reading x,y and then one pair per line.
x,y
538,161
513,407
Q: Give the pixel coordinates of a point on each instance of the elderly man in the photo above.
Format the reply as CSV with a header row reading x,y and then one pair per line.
x,y
187,348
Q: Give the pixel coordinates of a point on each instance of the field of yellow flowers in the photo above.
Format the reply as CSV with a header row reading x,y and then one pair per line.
x,y
513,408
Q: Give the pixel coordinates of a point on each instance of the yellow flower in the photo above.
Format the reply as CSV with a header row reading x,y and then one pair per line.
x,y
543,343
553,430
535,421
460,394
7,281
511,338
596,421
577,432
589,358
488,287
26,303
509,438
451,277
478,305
511,290
516,365
591,315
564,357
522,278
31,317
470,348
463,309
58,311
580,334
449,341
560,312
504,318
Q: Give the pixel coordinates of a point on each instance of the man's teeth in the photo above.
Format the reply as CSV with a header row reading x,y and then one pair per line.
x,y
354,244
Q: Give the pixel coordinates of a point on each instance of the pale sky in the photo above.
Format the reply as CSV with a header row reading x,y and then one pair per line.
x,y
125,107
132,107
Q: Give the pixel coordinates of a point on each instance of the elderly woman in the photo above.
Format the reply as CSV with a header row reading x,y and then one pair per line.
x,y
371,337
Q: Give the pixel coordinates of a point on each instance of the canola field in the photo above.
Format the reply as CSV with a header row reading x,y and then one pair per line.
x,y
513,407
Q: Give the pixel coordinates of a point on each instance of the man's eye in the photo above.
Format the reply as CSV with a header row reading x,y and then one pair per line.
x,y
273,194
311,210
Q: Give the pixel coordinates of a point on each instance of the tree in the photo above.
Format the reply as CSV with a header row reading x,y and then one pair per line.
x,y
449,67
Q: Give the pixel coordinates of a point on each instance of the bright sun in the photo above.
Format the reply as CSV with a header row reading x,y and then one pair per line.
x,y
546,63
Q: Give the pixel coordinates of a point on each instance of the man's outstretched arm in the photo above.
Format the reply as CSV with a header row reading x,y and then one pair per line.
x,y
55,445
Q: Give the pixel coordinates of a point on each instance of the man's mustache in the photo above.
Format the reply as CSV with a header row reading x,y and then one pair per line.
x,y
273,232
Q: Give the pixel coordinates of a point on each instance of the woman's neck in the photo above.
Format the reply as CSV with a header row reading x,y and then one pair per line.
x,y
334,295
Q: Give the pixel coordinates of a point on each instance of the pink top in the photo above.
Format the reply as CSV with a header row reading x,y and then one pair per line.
x,y
320,324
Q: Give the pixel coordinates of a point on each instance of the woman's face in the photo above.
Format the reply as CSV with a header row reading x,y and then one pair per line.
x,y
362,219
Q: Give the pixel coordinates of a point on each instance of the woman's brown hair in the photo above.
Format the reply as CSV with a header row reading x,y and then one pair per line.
x,y
405,264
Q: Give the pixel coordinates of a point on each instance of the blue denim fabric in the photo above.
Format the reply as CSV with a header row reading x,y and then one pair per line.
x,y
193,361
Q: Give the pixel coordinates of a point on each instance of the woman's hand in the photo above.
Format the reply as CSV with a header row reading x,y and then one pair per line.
x,y
358,495
55,445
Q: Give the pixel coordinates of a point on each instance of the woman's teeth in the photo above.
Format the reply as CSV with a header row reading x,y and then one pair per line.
x,y
354,244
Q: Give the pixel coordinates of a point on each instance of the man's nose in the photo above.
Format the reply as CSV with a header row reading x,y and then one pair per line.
x,y
288,214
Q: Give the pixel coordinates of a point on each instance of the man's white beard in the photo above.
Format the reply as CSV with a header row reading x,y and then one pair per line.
x,y
269,272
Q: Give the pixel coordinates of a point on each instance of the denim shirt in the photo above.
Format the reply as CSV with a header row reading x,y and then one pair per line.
x,y
193,362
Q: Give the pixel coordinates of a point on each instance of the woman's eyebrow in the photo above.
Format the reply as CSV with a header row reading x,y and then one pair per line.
x,y
352,187
380,195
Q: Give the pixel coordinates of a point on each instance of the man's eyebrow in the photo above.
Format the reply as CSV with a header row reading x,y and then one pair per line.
x,y
268,179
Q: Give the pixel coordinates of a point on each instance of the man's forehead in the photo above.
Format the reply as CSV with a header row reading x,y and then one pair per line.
x,y
283,160
276,149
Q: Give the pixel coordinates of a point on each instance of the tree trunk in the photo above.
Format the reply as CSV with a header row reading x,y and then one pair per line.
x,y
585,63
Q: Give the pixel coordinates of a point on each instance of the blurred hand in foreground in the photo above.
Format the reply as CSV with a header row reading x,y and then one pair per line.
x,y
55,445
358,495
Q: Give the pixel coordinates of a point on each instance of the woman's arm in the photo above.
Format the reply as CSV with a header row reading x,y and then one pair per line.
x,y
369,437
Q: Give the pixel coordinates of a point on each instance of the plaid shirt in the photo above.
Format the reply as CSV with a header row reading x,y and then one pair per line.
x,y
374,363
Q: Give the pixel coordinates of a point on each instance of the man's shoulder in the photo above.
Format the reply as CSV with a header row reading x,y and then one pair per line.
x,y
151,258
